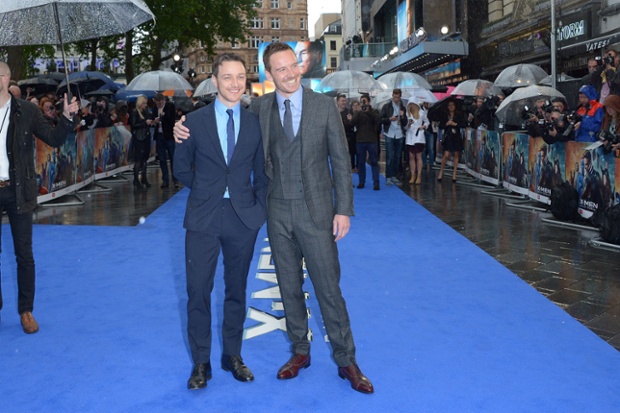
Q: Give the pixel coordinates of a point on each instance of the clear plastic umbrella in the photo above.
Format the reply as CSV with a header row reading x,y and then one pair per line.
x,y
205,88
404,80
477,87
33,22
352,83
159,80
562,77
417,95
510,111
520,75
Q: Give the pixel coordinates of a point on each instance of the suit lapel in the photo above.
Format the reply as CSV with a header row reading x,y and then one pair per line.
x,y
210,128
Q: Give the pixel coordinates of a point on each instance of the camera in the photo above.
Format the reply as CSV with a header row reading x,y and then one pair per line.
x,y
492,102
607,60
572,118
526,113
608,139
364,107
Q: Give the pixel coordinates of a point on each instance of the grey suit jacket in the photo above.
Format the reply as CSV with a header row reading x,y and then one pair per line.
x,y
325,162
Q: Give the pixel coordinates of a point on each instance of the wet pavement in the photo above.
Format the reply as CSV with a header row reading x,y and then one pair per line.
x,y
558,261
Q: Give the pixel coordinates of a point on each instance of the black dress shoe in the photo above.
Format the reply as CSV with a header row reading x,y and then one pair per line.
x,y
200,374
360,186
239,370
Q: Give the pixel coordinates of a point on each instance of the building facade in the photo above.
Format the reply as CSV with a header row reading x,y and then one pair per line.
x,y
277,20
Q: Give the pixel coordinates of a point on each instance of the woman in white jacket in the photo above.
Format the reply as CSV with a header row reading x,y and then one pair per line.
x,y
415,140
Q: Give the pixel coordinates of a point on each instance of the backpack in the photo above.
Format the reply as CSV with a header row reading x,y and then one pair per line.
x,y
564,202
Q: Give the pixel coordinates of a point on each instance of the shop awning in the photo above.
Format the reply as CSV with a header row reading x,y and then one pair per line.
x,y
590,46
424,56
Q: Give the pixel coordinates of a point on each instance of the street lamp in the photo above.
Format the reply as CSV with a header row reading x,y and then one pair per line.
x,y
444,30
177,66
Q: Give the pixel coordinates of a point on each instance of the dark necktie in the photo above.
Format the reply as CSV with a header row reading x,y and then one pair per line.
x,y
288,121
230,135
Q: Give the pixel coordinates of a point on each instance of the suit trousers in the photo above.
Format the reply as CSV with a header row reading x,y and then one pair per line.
x,y
293,237
21,229
236,241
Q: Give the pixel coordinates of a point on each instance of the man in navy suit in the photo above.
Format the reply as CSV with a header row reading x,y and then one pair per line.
x,y
223,165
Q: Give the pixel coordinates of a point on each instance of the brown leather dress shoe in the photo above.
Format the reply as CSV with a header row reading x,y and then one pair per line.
x,y
358,381
29,324
292,367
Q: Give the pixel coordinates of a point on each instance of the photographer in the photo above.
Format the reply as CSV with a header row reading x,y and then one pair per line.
x,y
485,113
610,131
605,79
537,118
591,115
102,112
366,122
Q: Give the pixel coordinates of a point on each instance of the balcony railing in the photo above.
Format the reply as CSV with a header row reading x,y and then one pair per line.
x,y
365,50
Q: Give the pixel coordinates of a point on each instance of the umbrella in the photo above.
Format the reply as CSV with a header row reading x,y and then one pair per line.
x,y
510,110
60,21
520,75
404,80
101,92
205,88
441,94
477,87
132,95
159,81
416,94
177,93
39,84
88,81
353,83
562,77
435,111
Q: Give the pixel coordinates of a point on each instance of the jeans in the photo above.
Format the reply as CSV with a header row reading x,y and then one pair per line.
x,y
429,148
165,151
373,159
393,154
21,229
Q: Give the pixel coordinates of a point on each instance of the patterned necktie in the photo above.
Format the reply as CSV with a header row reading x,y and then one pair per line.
x,y
288,121
230,135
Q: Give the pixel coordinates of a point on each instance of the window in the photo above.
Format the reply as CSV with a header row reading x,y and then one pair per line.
x,y
333,62
275,39
289,5
254,41
254,68
257,23
302,24
275,22
209,69
332,45
275,4
234,44
259,4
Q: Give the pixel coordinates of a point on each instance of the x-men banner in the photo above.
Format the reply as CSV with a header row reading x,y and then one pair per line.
x,y
85,156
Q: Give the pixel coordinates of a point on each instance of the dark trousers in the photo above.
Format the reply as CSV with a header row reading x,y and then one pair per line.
x,y
202,249
165,151
373,160
393,156
294,237
21,229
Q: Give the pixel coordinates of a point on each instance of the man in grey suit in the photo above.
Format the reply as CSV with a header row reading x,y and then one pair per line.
x,y
223,165
310,200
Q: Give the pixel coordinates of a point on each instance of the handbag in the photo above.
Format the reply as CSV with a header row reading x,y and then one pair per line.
x,y
142,134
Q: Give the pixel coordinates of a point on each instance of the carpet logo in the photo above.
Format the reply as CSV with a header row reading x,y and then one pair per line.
x,y
268,322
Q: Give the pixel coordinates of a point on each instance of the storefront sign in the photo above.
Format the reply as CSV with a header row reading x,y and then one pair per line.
x,y
572,30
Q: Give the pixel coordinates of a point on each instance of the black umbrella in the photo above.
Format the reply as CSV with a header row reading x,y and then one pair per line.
x,y
435,111
39,85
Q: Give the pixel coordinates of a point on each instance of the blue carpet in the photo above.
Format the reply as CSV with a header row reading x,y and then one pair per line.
x,y
439,325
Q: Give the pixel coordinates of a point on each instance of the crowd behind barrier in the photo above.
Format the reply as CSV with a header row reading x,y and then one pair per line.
x,y
86,156
529,166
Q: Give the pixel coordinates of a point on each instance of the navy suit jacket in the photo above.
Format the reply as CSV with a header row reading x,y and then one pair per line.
x,y
200,165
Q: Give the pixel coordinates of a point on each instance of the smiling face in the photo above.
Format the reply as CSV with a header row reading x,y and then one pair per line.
x,y
284,72
230,82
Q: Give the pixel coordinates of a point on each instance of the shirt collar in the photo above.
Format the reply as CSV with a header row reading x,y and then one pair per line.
x,y
295,98
221,108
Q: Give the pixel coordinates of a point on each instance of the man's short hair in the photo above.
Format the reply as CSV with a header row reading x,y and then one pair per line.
x,y
159,97
341,95
226,57
397,92
315,47
272,49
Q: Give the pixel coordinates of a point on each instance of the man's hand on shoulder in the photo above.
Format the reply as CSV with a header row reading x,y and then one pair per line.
x,y
180,132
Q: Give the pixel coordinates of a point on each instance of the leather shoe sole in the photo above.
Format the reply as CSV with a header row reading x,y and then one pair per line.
x,y
29,324
291,368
